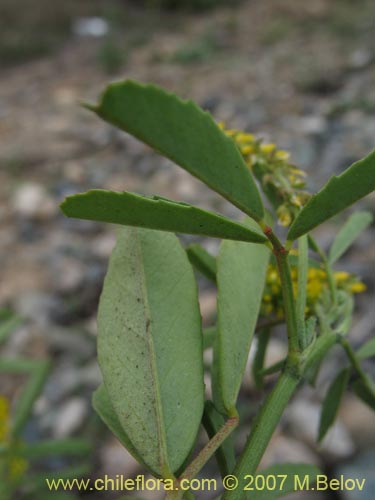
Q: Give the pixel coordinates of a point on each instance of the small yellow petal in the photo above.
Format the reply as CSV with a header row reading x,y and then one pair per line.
x,y
357,287
341,276
267,148
282,155
244,137
246,150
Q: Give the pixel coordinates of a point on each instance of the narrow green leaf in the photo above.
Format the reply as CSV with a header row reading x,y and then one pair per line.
x,y
364,394
70,446
339,193
260,354
332,401
8,326
287,478
202,260
240,278
367,350
150,346
349,232
103,407
213,421
184,133
130,209
28,396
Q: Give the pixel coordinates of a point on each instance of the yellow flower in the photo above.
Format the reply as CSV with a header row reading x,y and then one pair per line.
x,y
17,467
282,155
267,148
341,276
231,133
4,418
284,215
245,137
357,287
246,150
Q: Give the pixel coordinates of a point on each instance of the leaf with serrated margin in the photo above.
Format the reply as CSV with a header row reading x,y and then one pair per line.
x,y
131,209
185,134
150,346
339,193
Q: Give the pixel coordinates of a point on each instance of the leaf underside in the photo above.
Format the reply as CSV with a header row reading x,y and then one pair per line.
x,y
185,134
150,346
241,272
339,193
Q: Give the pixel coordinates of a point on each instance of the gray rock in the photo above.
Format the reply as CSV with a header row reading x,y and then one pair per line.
x,y
32,201
70,417
303,419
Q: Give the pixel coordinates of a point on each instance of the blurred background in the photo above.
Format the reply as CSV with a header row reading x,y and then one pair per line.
x,y
300,74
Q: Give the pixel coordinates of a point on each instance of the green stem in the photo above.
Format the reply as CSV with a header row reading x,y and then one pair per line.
x,y
262,430
281,255
357,367
301,290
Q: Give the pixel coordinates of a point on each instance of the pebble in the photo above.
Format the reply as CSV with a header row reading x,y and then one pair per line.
x,y
32,201
70,417
117,460
303,419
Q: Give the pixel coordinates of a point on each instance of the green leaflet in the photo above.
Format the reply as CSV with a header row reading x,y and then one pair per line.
x,y
130,209
290,475
150,346
339,193
364,394
367,350
332,401
103,407
182,132
241,271
202,260
352,228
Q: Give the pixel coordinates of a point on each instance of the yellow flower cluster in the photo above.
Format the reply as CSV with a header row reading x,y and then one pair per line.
x,y
4,419
317,282
16,466
282,182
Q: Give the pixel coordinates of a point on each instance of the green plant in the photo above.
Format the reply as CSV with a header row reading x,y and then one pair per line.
x,y
149,328
18,476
